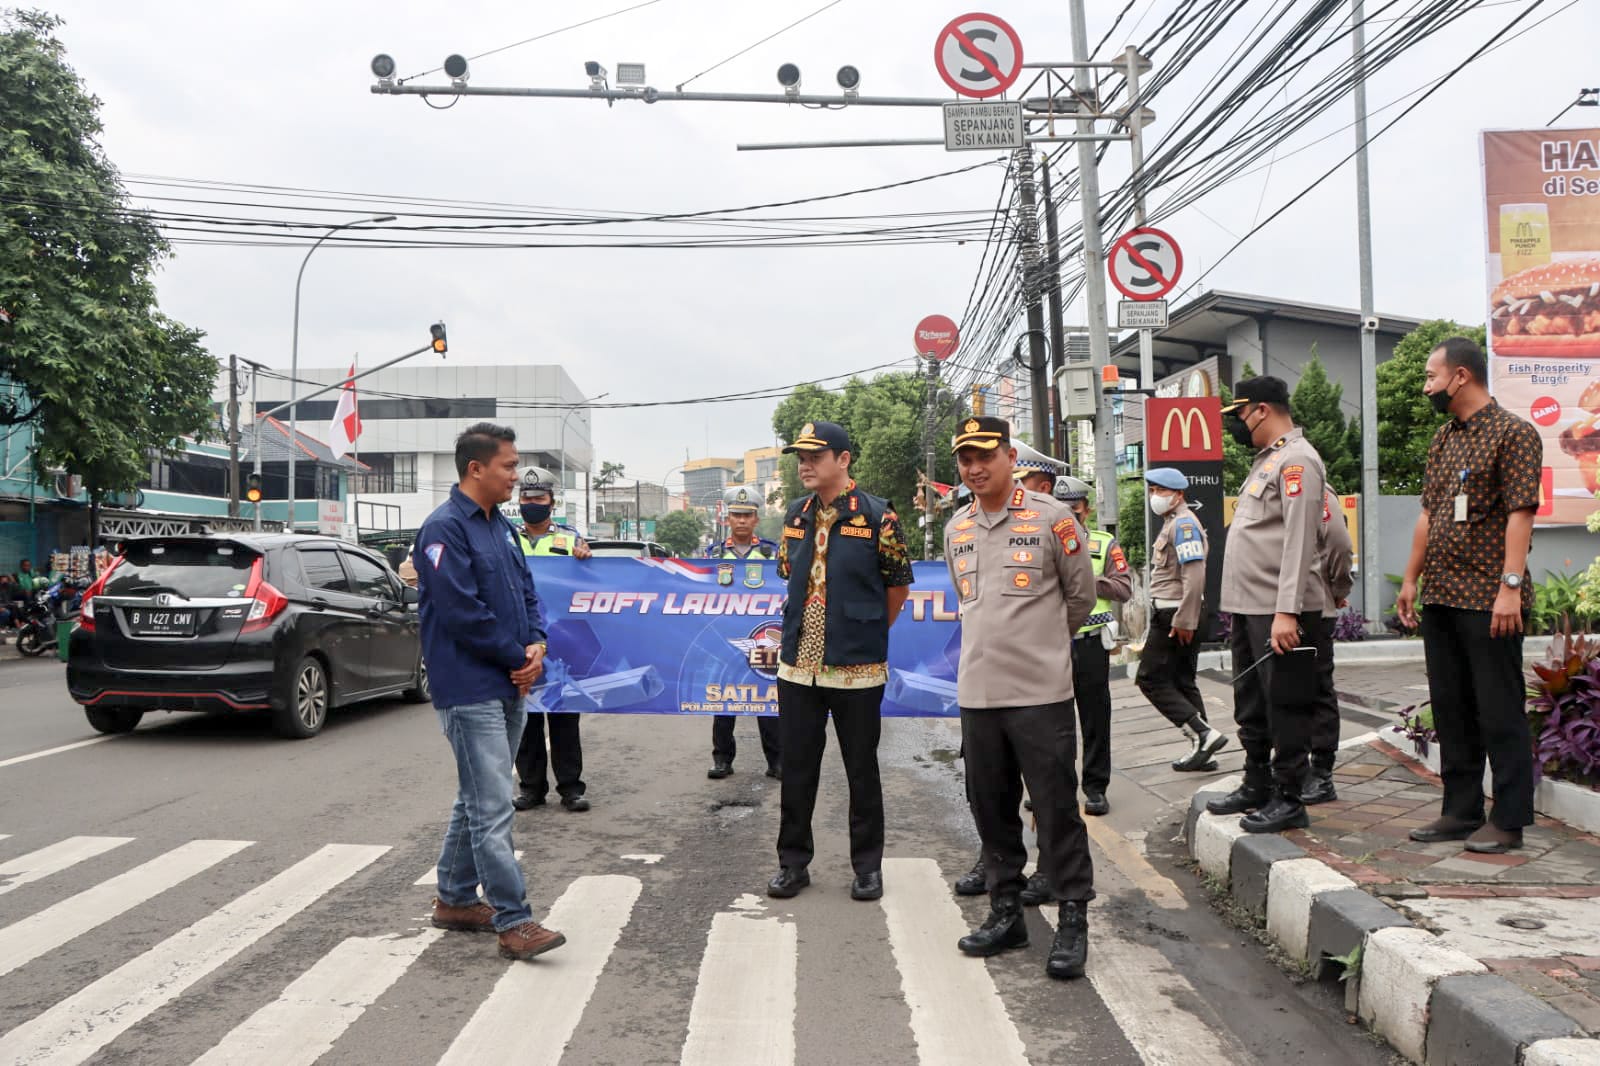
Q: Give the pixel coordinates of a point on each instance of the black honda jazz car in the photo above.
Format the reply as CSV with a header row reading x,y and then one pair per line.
x,y
289,624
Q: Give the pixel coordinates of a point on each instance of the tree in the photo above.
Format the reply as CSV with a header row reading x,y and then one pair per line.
x,y
107,379
608,476
1236,458
1317,405
681,532
1406,421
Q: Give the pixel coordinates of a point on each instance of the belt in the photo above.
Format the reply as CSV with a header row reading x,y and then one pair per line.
x,y
1168,605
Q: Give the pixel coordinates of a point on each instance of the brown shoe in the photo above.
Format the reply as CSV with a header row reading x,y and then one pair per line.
x,y
474,918
1492,840
528,940
1445,828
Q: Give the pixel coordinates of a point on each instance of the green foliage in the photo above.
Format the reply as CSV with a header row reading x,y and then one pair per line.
x,y
1236,458
1406,422
681,532
1556,603
609,474
1317,405
1131,506
107,379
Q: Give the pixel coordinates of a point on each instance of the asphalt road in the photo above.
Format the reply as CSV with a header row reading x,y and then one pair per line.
x,y
200,886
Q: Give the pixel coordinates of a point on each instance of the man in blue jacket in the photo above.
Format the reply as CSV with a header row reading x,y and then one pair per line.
x,y
484,648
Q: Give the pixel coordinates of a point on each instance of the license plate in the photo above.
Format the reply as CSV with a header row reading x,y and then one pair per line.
x,y
147,623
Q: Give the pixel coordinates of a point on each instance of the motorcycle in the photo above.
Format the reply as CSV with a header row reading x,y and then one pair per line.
x,y
58,603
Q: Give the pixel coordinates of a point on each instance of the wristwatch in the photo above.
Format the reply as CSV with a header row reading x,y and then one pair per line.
x,y
1511,581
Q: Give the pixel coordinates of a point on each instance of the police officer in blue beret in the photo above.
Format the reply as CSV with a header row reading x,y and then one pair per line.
x,y
743,506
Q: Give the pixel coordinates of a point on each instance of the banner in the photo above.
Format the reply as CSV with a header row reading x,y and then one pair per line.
x,y
1542,193
701,636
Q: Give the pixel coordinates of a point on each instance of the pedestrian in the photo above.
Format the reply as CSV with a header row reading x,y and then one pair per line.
x,y
541,535
1469,557
844,557
1019,561
1034,470
1272,586
484,647
407,569
1171,655
1338,553
743,506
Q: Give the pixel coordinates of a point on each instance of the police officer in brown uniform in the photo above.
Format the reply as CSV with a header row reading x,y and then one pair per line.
x,y
1338,553
1272,586
1019,561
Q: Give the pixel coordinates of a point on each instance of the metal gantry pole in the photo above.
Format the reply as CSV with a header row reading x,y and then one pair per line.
x,y
1371,587
255,449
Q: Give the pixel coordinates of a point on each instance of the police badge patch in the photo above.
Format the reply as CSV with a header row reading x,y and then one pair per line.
x,y
724,573
754,577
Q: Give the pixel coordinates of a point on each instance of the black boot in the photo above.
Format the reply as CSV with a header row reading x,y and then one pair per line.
x,y
1036,891
1205,742
1005,928
1255,792
974,882
1284,812
1318,787
1070,951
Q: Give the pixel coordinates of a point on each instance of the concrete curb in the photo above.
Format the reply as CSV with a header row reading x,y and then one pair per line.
x,y
1433,1004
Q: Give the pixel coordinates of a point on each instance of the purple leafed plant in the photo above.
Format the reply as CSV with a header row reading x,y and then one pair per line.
x,y
1564,710
1350,626
1416,725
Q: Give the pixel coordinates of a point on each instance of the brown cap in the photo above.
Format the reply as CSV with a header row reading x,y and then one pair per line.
x,y
984,432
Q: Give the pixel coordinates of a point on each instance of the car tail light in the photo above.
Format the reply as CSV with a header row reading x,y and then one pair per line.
x,y
86,615
266,602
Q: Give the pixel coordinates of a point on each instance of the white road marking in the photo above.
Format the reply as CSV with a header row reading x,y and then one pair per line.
x,y
316,1009
432,876
23,941
744,999
556,987
957,1016
77,1027
53,751
24,869
648,860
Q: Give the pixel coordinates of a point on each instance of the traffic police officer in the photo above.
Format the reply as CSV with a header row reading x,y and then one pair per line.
x,y
1272,586
743,505
1337,557
1177,588
541,535
1019,561
1091,647
1034,470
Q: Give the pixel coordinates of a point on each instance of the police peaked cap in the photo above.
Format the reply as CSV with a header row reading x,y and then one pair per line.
x,y
820,436
742,499
1261,389
538,479
1070,489
1031,460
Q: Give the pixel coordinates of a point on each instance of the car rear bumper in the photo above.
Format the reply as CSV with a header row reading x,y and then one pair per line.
x,y
249,689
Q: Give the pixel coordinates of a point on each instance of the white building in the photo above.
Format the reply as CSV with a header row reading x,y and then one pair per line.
x,y
410,418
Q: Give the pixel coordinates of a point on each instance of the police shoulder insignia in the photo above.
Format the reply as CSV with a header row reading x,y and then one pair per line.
x,y
1186,528
1018,496
854,502
1188,545
1066,532
859,520
1293,483
1028,527
1118,560
965,523
725,574
1026,515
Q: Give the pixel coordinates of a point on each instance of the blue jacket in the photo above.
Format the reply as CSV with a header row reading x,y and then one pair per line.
x,y
479,611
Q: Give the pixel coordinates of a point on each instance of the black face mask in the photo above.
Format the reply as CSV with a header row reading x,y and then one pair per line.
x,y
1441,400
535,513
1239,430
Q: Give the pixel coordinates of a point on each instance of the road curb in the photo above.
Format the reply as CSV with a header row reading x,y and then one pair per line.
x,y
1433,1004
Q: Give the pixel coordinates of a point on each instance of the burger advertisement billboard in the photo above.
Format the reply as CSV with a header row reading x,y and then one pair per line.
x,y
1542,192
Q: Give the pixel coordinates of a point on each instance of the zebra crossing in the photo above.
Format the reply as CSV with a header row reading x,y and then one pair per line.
x,y
745,994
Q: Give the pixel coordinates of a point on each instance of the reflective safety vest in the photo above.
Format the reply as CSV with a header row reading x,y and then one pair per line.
x,y
1099,551
557,540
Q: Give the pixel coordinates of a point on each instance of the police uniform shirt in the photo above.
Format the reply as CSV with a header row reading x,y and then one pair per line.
x,y
1178,565
1115,580
557,540
1021,575
1272,565
760,548
1337,556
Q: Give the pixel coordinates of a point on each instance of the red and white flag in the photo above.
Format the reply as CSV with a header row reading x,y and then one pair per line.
x,y
346,425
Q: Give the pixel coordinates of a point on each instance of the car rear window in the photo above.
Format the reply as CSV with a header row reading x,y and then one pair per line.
x,y
194,569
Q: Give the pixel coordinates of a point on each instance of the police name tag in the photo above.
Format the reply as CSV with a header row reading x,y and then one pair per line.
x,y
1461,507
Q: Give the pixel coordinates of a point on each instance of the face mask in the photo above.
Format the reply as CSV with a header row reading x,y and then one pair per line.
x,y
1162,504
535,513
1441,400
1239,430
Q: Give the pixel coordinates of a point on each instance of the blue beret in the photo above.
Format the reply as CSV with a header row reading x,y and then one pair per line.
x,y
1167,477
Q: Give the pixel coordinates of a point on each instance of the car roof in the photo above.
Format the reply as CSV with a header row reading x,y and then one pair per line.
x,y
258,541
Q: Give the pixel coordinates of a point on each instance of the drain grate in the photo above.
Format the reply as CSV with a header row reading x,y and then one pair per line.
x,y
1516,922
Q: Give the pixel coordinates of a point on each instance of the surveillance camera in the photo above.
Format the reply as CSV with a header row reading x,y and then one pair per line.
x,y
849,78
594,70
383,67
1369,324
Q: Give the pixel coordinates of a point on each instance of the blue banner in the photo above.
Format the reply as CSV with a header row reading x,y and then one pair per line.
x,y
701,636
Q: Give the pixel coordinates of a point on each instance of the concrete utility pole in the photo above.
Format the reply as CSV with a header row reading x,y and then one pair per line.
x,y
233,436
929,496
1058,339
1038,358
1371,588
1094,272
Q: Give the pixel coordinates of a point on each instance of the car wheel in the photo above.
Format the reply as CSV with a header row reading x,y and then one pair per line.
x,y
113,719
305,704
421,692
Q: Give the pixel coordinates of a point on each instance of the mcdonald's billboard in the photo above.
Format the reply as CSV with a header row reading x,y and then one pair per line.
x,y
1183,429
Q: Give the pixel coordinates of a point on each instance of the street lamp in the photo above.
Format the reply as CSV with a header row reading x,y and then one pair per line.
x,y
584,406
294,358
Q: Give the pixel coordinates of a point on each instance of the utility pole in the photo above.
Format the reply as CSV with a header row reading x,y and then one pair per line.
x,y
1058,338
1371,589
233,436
1028,241
929,496
1094,272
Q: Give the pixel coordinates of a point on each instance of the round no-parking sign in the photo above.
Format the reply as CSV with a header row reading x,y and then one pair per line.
x,y
1145,263
978,55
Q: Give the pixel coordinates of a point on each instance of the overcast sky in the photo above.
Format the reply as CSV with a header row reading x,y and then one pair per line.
x,y
278,94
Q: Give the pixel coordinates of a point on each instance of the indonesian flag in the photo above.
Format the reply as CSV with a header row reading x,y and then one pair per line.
x,y
346,425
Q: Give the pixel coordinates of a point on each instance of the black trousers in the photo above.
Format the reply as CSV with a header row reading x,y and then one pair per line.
x,y
1478,693
1325,715
1275,703
723,746
566,752
1166,672
1006,746
1091,685
803,712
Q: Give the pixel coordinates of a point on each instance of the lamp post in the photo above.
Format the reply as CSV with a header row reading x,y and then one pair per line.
x,y
294,357
584,406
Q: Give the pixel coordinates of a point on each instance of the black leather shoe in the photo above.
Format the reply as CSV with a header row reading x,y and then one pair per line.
x,y
775,771
1446,828
867,886
526,801
1036,891
789,882
974,882
575,804
1069,953
1318,788
1244,798
720,768
1095,803
1282,813
1004,929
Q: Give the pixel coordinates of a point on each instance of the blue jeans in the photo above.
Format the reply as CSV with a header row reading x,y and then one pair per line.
x,y
477,844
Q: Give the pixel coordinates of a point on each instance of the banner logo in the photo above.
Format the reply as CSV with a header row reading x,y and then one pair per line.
x,y
761,648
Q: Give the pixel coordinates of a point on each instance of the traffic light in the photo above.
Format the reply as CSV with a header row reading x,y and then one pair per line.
x,y
439,344
252,490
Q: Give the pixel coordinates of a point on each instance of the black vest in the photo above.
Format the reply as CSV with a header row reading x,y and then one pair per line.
x,y
857,599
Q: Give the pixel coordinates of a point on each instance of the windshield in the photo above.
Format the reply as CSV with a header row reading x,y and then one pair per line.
x,y
629,551
192,569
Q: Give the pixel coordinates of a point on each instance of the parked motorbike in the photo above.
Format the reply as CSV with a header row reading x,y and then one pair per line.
x,y
58,603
